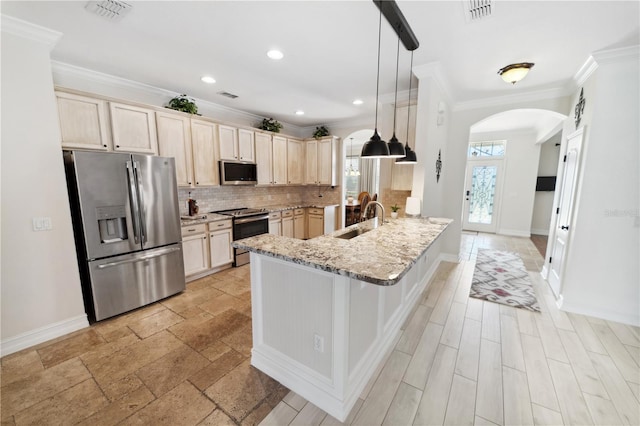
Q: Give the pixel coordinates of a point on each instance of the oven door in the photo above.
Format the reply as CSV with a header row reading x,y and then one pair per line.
x,y
246,227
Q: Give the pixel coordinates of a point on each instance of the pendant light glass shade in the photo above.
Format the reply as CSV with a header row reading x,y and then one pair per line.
x,y
376,147
396,150
410,155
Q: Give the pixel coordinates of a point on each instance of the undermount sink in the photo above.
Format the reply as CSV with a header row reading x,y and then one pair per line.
x,y
353,233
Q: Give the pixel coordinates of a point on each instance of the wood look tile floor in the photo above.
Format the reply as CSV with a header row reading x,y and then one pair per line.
x,y
180,361
186,361
464,361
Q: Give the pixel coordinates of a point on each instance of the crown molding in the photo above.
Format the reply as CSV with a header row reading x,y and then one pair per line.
x,y
30,31
617,55
583,74
65,69
435,71
538,95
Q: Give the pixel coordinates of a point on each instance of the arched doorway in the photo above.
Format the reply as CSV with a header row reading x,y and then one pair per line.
x,y
358,174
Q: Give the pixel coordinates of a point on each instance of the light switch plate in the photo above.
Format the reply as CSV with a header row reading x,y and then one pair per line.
x,y
42,224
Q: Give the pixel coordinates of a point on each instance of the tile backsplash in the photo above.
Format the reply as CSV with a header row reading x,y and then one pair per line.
x,y
230,197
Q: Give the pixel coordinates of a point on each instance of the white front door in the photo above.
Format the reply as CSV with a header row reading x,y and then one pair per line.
x,y
565,208
482,195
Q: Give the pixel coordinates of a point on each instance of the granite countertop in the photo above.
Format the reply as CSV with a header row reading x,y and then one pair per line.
x,y
214,217
279,208
381,255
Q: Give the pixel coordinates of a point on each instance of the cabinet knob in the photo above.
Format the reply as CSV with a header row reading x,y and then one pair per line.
x,y
117,146
197,183
105,145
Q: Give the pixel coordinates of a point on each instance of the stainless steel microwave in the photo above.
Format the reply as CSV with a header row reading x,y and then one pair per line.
x,y
238,173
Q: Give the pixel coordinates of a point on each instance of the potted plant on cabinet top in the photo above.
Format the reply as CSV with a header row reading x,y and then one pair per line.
x,y
320,132
183,103
271,125
394,211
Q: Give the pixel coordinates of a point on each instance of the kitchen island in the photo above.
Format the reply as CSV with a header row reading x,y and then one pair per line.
x,y
327,310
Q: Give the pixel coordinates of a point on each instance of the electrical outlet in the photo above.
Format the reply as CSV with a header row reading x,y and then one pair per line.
x,y
42,223
318,343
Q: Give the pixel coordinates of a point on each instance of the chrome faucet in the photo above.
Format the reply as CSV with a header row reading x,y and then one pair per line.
x,y
375,204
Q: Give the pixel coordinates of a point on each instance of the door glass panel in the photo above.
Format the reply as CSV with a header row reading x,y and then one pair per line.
x,y
483,189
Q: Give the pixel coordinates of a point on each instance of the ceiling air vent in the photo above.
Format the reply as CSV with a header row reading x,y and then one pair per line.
x,y
228,95
109,9
476,10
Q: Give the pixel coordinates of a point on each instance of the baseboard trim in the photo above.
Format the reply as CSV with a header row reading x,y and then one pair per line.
x,y
42,334
514,233
449,257
631,319
540,232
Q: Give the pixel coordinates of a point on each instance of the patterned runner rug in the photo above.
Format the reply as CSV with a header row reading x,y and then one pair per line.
x,y
500,277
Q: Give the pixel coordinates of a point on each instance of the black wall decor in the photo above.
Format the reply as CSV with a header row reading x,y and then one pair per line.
x,y
579,108
438,166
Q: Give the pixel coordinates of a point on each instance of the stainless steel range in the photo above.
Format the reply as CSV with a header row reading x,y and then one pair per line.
x,y
246,223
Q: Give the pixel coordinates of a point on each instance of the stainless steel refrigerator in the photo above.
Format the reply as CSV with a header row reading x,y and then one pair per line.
x,y
127,229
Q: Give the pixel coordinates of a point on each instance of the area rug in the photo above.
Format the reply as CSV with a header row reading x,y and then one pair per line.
x,y
500,277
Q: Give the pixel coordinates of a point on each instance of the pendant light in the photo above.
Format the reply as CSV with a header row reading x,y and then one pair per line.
x,y
410,155
396,150
376,147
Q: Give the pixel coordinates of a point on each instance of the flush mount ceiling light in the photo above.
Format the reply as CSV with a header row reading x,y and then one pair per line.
x,y
276,55
299,112
376,147
208,79
396,150
358,102
515,72
410,155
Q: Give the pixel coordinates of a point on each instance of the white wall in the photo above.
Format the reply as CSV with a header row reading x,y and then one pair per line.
x,y
543,202
602,277
520,168
41,294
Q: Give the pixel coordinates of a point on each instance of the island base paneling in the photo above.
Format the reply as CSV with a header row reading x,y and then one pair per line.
x,y
323,335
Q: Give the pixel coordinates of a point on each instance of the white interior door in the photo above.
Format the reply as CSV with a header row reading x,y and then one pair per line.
x,y
482,195
565,209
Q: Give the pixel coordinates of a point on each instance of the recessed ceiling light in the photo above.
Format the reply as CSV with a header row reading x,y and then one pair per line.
x,y
358,102
275,54
299,112
208,79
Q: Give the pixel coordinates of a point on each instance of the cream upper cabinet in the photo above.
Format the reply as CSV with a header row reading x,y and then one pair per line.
x,y
174,140
205,166
246,146
133,128
264,158
228,141
295,161
311,169
327,161
279,160
83,122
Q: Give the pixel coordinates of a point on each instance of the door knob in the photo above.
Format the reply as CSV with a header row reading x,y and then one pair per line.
x,y
566,228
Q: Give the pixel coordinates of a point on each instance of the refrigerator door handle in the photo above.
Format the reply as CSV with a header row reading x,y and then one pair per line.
x,y
133,200
158,253
141,205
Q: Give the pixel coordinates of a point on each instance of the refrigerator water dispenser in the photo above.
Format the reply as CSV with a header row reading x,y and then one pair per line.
x,y
112,223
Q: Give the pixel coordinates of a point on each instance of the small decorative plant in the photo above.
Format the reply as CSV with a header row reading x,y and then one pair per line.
x,y
395,208
320,132
183,103
271,125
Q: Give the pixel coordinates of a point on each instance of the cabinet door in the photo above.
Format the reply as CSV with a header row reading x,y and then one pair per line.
x,y
133,129
279,160
220,247
194,251
316,225
275,227
326,162
295,161
246,148
311,172
83,122
287,227
298,227
264,158
205,166
228,140
174,140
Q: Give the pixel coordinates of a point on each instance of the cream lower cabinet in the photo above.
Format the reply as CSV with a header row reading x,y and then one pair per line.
x,y
275,223
195,249
83,122
287,224
220,244
315,221
299,224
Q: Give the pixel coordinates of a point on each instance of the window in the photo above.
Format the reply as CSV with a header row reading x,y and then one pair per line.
x,y
486,149
352,176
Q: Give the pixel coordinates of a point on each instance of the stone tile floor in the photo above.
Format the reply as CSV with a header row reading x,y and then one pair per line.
x,y
181,361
